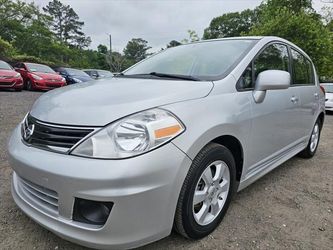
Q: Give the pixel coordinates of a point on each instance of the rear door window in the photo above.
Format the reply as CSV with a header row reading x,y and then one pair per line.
x,y
302,69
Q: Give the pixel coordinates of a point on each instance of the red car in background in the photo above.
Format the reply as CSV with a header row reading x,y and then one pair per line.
x,y
39,76
9,78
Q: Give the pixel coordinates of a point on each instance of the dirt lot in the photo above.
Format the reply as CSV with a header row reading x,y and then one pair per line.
x,y
289,208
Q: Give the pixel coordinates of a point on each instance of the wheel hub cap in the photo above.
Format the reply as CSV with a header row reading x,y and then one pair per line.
x,y
314,138
211,192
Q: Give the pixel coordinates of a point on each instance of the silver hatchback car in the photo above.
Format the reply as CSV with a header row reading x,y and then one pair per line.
x,y
167,143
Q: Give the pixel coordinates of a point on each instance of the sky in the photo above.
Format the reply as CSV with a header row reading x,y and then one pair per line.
x,y
157,21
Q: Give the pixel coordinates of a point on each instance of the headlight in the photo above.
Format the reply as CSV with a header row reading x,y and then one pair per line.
x,y
18,75
63,79
36,77
76,80
130,136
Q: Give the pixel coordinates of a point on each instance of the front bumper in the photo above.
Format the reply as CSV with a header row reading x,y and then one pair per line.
x,y
43,85
14,83
329,106
144,191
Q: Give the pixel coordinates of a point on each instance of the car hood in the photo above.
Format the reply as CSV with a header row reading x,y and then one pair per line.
x,y
7,72
50,76
99,103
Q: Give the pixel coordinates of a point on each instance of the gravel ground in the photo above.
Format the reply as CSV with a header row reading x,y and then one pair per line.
x,y
289,208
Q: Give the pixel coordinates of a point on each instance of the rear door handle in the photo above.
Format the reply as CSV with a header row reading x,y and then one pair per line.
x,y
294,99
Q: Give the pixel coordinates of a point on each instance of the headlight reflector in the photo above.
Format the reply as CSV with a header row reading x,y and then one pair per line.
x,y
132,135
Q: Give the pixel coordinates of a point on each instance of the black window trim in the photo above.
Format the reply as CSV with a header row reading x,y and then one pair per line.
x,y
292,85
256,56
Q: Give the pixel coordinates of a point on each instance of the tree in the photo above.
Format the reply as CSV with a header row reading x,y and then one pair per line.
x,y
118,62
66,24
173,43
136,50
193,37
305,30
294,6
231,24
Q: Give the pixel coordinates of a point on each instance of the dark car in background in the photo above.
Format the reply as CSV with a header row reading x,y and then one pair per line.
x,y
39,76
9,78
73,75
98,73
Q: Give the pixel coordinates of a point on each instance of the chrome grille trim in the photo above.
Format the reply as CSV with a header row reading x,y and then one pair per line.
x,y
52,137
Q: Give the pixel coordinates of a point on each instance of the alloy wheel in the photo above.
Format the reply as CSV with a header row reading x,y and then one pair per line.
x,y
211,192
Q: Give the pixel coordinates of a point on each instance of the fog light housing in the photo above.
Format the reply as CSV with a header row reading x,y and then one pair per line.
x,y
91,212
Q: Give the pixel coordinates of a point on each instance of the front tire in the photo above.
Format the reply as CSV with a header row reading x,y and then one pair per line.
x,y
313,143
206,192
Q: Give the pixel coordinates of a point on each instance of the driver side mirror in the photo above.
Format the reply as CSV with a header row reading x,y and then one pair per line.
x,y
270,80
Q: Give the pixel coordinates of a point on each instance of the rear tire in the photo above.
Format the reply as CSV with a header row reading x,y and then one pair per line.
x,y
29,85
312,146
200,209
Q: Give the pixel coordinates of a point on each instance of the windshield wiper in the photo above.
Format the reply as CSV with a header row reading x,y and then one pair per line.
x,y
174,76
183,77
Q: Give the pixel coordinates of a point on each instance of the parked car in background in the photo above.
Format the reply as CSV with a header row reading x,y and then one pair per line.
x,y
328,96
167,143
98,73
9,78
39,76
73,75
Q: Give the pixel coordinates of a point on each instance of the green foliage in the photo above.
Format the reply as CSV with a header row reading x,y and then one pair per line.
x,y
294,20
231,24
66,25
292,6
301,26
136,50
6,49
32,59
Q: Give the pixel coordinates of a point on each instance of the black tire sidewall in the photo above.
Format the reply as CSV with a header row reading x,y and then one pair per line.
x,y
191,227
312,153
29,85
307,153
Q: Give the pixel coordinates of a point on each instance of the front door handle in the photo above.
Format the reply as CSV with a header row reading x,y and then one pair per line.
x,y
294,99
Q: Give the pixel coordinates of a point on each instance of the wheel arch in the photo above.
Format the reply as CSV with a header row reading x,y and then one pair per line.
x,y
234,145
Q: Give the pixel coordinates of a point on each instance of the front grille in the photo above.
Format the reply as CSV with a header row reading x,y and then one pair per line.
x,y
53,84
41,197
7,83
52,137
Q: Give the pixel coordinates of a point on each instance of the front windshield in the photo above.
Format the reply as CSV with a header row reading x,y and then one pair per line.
x,y
4,65
32,67
328,88
204,60
76,72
